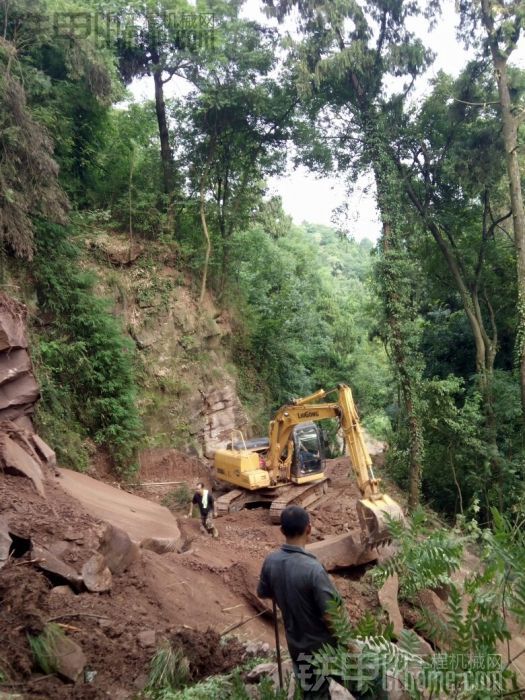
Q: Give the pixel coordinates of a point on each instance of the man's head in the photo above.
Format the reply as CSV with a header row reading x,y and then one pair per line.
x,y
295,525
200,487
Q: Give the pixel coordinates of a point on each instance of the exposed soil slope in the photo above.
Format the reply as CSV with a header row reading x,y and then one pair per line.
x,y
208,584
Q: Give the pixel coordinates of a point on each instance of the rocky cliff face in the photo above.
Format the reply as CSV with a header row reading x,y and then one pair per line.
x,y
189,396
18,387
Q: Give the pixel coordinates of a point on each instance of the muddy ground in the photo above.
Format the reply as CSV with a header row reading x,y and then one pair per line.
x,y
209,584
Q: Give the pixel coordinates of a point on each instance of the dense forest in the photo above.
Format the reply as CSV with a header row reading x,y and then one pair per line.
x,y
427,325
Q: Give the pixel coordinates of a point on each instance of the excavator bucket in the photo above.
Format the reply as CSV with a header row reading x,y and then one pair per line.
x,y
374,514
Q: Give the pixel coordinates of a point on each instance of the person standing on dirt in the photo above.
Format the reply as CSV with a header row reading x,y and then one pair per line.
x,y
204,499
302,589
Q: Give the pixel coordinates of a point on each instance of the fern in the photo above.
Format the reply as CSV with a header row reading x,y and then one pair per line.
x,y
476,620
426,557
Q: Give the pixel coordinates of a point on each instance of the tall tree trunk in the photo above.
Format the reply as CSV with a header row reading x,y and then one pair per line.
x,y
510,138
403,363
166,154
206,236
396,295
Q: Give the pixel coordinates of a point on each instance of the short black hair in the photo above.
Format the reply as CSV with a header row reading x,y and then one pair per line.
x,y
294,521
200,485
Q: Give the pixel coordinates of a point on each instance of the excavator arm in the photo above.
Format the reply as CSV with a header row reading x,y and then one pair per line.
x,y
375,506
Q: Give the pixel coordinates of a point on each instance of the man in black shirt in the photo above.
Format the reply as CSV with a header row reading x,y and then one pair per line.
x,y
204,499
299,584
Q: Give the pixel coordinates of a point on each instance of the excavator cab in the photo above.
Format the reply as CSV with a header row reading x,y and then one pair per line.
x,y
308,450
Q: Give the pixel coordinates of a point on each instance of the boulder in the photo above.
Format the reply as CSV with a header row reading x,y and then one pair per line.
x,y
160,545
13,365
261,670
51,564
18,411
396,690
59,548
432,603
341,551
24,422
19,392
117,549
388,599
44,451
13,458
96,575
70,660
425,649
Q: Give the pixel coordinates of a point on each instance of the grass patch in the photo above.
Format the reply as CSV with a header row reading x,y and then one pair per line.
x,y
178,498
169,671
44,648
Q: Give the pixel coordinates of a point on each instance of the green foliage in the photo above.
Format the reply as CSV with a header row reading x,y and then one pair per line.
x,y
229,685
87,362
178,498
44,647
169,671
467,663
426,558
307,316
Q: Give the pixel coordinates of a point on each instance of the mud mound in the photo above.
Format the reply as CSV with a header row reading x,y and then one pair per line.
x,y
171,465
207,653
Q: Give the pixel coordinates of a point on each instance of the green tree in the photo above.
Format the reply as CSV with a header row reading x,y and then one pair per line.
x,y
503,23
344,61
235,129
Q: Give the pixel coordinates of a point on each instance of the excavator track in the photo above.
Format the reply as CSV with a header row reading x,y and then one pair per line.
x,y
231,502
297,496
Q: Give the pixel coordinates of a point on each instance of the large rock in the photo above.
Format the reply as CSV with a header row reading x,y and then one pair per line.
x,y
138,517
388,599
69,659
51,564
96,575
432,603
20,392
339,692
425,649
44,451
13,365
13,458
117,549
341,551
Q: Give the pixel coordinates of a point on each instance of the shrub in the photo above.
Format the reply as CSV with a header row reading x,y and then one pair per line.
x,y
177,498
85,359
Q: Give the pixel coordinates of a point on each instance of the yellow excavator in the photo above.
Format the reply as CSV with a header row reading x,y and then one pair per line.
x,y
288,467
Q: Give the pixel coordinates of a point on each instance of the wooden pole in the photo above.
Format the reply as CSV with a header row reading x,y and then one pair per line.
x,y
277,644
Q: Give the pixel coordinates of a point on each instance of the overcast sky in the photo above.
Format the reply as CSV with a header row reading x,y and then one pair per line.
x,y
307,198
